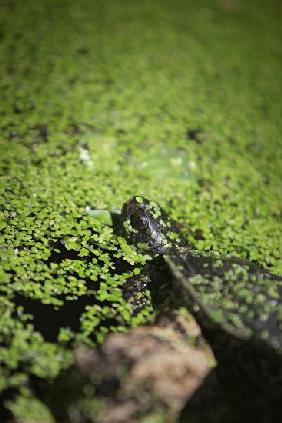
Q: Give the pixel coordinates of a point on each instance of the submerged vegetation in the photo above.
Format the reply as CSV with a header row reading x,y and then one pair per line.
x,y
104,100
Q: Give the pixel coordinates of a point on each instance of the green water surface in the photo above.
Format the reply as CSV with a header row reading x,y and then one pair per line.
x,y
179,101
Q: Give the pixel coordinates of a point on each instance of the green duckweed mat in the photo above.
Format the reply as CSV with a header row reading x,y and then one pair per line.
x,y
179,101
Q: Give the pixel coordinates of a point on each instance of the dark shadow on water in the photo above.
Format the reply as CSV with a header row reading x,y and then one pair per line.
x,y
62,396
48,320
217,403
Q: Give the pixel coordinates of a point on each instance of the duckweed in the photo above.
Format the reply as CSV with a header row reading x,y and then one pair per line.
x,y
99,102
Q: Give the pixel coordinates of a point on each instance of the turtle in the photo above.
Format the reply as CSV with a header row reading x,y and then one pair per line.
x,y
236,302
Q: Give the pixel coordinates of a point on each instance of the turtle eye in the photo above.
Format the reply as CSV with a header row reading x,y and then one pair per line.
x,y
137,222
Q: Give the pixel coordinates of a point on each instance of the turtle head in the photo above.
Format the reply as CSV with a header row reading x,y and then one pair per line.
x,y
145,224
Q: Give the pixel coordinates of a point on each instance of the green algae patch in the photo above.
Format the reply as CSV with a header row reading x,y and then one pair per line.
x,y
102,101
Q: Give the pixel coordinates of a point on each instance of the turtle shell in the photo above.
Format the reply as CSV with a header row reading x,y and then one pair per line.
x,y
232,294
